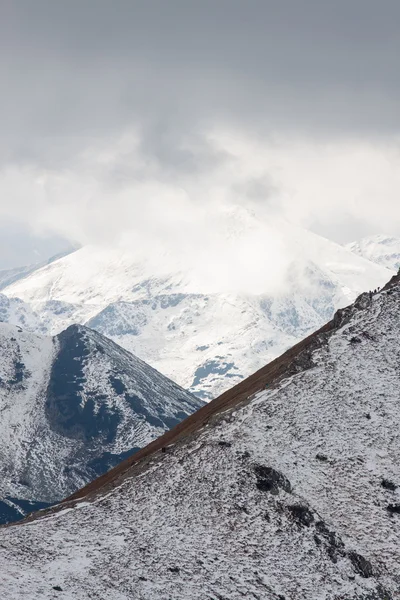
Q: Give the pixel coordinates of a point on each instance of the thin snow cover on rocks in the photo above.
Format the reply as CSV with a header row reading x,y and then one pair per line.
x,y
210,324
294,495
71,408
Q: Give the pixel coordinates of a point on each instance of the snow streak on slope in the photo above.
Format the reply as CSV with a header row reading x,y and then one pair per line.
x,y
194,325
294,495
381,249
74,406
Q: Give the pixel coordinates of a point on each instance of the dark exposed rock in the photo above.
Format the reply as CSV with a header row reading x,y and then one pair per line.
x,y
302,515
270,480
361,565
333,544
317,540
394,508
19,373
378,594
321,457
388,485
174,569
245,455
57,588
224,444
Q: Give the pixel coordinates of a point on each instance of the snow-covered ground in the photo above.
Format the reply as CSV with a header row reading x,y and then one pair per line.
x,y
193,324
73,406
295,495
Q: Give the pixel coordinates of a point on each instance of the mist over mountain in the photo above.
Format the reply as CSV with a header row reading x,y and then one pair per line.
x,y
206,323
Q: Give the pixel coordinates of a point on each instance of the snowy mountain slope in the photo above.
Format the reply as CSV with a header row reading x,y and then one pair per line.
x,y
293,494
10,276
381,249
74,406
17,312
209,342
199,329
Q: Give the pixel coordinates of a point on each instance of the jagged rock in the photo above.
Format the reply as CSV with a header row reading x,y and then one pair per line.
x,y
361,565
270,480
388,485
302,515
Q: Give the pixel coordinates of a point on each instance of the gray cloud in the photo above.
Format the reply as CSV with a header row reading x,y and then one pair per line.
x,y
30,248
109,104
78,70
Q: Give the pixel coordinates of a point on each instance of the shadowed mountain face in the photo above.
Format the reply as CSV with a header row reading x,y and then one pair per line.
x,y
285,487
73,407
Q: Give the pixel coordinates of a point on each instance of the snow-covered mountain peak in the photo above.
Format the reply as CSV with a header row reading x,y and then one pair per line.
x,y
96,276
207,319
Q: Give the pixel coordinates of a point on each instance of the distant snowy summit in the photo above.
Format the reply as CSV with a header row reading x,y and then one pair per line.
x,y
71,408
10,276
209,323
381,249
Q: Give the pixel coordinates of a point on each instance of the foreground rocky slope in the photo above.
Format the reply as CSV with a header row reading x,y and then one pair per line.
x,y
286,487
71,408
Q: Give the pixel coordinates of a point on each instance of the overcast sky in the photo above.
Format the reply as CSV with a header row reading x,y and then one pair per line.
x,y
119,116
